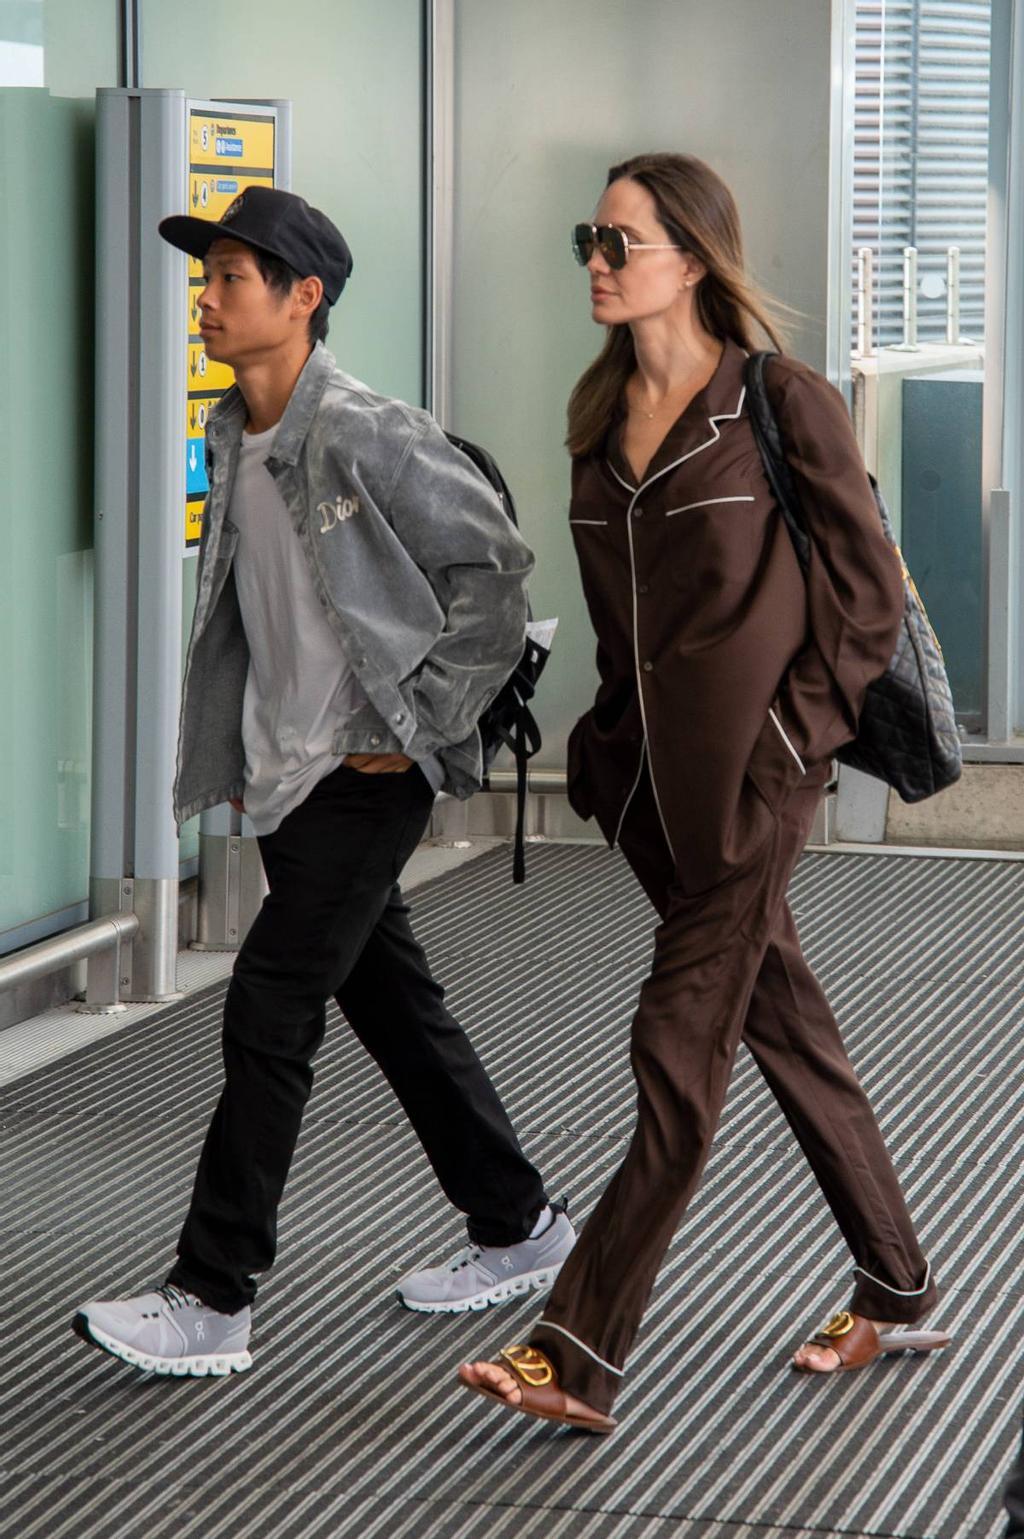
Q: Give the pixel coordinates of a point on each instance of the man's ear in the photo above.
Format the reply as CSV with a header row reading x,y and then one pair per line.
x,y
306,296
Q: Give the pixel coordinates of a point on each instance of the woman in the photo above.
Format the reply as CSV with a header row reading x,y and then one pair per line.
x,y
727,682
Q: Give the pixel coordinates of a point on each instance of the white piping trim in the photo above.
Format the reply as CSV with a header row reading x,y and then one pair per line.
x,y
635,492
722,416
640,693
629,798
906,1293
615,473
548,1326
789,745
588,520
706,504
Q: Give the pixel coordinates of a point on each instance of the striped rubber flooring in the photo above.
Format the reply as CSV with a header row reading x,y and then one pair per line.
x,y
350,1425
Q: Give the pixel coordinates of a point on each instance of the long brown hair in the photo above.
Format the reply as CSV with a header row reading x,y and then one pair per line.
x,y
698,211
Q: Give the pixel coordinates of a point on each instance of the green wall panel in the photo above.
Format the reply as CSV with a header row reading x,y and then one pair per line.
x,y
352,70
46,308
547,97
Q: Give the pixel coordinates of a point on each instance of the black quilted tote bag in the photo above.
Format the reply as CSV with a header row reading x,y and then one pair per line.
x,y
907,734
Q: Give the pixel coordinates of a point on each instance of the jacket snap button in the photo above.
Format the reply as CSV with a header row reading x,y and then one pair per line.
x,y
400,717
638,512
648,667
643,588
374,741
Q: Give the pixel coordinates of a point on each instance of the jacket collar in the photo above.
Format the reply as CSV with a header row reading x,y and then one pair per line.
x,y
722,398
227,420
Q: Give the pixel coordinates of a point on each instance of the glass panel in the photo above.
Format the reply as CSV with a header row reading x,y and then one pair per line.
x,y
21,42
546,101
920,196
352,69
46,284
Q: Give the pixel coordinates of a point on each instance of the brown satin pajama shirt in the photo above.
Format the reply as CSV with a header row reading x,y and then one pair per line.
x,y
727,681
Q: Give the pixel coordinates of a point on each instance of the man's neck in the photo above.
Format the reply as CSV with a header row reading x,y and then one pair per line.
x,y
267,387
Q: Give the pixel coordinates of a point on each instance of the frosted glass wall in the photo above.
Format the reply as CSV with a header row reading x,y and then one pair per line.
x,y
548,96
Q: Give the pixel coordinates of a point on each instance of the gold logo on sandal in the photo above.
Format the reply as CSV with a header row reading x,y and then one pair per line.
x,y
839,1325
531,1366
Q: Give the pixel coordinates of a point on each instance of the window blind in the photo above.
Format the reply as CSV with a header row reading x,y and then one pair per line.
x,y
921,153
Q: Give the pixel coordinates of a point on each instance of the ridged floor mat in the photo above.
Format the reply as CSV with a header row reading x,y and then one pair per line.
x,y
350,1422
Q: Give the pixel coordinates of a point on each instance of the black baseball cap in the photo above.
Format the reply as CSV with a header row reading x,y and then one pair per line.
x,y
278,222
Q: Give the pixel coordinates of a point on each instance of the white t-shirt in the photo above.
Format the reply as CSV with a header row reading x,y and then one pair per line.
x,y
300,688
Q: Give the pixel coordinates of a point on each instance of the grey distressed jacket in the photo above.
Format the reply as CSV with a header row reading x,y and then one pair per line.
x,y
420,572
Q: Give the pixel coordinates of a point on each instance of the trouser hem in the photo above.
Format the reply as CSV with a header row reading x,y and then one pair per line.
x,y
877,1302
224,1303
496,1232
578,1373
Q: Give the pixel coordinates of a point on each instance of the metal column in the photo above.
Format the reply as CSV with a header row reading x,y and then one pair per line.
x,y
139,494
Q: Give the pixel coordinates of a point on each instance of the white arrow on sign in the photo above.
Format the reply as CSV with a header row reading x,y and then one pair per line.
x,y
192,462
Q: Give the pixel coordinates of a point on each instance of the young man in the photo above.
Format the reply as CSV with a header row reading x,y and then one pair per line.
x,y
360,600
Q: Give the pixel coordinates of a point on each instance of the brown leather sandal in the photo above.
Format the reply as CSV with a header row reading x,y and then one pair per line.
x,y
539,1391
856,1342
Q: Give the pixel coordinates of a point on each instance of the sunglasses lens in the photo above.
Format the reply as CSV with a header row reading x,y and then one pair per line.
x,y
613,245
583,243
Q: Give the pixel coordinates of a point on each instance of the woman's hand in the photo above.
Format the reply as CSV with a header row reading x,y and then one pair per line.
x,y
378,763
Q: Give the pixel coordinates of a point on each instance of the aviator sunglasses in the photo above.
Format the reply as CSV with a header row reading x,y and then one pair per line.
x,y
612,243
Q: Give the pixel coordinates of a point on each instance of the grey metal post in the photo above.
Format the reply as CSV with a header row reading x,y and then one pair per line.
x,y
231,880
865,302
953,295
140,491
909,343
999,632
115,615
161,499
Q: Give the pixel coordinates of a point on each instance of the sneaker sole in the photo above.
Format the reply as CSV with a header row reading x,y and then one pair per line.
x,y
218,1366
517,1288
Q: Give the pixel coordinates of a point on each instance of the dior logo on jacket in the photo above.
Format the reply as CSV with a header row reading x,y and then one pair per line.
x,y
336,512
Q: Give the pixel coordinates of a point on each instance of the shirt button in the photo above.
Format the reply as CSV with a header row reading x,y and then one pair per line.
x,y
648,667
400,717
643,588
374,740
638,512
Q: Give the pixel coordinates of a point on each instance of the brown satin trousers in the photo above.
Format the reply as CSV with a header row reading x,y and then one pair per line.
x,y
727,967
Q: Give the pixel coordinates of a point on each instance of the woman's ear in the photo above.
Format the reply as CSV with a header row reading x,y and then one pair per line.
x,y
693,271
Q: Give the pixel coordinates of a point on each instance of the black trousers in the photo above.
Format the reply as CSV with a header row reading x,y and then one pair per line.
x,y
334,923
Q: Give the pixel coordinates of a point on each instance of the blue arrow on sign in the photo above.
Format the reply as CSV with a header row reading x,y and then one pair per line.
x,y
196,484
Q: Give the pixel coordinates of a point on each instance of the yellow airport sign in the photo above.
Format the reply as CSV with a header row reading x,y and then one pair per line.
x,y
228,139
198,414
203,373
227,152
194,520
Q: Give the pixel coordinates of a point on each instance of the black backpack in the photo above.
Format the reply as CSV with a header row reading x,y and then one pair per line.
x,y
508,721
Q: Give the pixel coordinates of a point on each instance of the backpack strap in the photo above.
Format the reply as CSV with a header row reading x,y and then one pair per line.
x,y
773,456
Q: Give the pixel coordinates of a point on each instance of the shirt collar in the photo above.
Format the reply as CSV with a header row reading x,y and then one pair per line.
x,y
228,417
721,398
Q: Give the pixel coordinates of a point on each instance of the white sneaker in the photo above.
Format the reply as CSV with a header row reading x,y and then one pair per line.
x,y
168,1331
481,1275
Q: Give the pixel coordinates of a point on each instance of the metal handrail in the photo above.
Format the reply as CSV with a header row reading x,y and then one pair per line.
x,y
99,939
